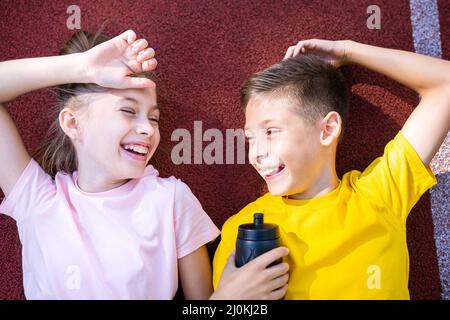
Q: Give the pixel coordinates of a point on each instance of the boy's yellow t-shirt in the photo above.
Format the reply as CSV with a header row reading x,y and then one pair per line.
x,y
351,242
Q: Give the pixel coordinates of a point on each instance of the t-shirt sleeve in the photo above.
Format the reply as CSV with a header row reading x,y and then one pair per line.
x,y
34,190
193,226
397,180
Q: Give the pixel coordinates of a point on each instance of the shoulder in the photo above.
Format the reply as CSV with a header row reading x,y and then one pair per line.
x,y
152,180
33,191
171,186
350,178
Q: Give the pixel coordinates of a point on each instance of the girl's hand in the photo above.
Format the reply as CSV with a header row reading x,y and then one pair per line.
x,y
111,63
254,280
332,52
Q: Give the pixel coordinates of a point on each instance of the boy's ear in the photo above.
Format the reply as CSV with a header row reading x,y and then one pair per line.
x,y
69,123
330,127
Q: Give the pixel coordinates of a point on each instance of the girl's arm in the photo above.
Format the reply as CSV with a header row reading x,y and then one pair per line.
x,y
108,64
429,123
18,77
195,275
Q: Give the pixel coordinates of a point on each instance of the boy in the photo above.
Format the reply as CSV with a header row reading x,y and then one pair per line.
x,y
346,238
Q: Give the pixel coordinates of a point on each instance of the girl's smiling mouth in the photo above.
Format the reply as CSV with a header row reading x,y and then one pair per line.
x,y
136,151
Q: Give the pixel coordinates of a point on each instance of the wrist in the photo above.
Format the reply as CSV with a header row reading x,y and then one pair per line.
x,y
81,70
219,294
347,47
214,296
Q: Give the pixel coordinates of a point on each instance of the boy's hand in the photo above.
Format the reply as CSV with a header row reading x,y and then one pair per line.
x,y
332,52
254,280
111,63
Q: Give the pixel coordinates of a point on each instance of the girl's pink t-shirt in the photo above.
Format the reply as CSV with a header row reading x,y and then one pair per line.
x,y
123,243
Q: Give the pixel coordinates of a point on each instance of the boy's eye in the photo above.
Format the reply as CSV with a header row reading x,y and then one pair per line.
x,y
155,120
271,131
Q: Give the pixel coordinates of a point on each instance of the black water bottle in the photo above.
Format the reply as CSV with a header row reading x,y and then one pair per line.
x,y
256,238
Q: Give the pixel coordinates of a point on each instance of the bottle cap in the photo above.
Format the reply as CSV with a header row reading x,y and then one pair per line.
x,y
258,230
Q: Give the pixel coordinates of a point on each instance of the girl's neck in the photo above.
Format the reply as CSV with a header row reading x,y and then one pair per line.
x,y
91,184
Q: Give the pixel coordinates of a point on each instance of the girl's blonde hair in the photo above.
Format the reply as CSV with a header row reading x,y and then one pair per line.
x,y
57,153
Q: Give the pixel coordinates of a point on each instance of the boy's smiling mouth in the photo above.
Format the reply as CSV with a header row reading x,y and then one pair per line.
x,y
271,172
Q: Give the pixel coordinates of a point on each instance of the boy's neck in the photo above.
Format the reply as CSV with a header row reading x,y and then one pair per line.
x,y
326,183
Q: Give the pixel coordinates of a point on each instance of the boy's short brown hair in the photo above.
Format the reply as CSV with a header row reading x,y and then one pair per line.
x,y
318,86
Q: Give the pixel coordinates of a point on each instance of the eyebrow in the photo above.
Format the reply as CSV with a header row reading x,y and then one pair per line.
x,y
264,122
133,100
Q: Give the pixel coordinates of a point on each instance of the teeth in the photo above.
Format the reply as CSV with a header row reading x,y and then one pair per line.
x,y
139,149
269,172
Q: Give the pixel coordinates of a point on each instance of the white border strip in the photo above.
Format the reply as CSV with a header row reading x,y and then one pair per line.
x,y
427,40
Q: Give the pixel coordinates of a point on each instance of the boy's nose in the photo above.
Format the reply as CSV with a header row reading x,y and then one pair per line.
x,y
262,148
260,158
258,152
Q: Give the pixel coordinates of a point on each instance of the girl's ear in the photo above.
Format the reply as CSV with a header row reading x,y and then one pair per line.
x,y
331,127
69,122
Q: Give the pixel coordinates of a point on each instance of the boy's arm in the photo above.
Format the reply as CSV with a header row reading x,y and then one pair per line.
x,y
427,126
429,123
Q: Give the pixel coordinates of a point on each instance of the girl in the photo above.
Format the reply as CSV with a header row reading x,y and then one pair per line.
x,y
94,219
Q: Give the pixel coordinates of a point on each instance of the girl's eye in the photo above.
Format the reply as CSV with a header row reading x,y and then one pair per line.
x,y
155,120
271,131
127,111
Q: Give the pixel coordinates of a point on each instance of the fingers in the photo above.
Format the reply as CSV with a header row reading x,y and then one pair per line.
x,y
149,65
301,47
138,82
279,293
146,57
267,258
139,45
145,54
292,51
289,52
279,282
128,36
298,48
231,264
276,270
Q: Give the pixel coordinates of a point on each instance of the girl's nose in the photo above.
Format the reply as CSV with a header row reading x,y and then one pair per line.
x,y
145,127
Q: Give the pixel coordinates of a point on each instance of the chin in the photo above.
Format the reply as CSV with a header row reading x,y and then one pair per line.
x,y
277,191
131,173
283,191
